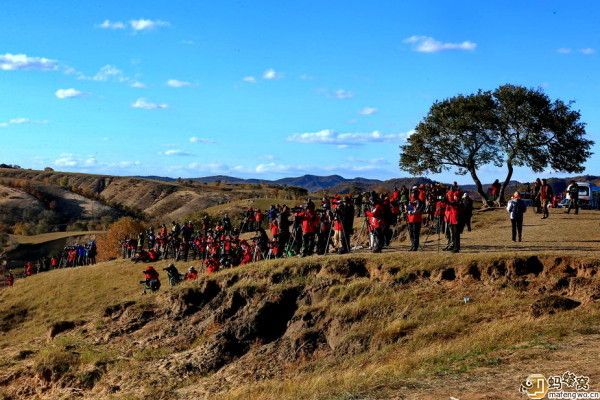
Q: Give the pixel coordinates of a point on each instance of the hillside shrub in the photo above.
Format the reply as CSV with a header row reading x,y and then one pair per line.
x,y
109,243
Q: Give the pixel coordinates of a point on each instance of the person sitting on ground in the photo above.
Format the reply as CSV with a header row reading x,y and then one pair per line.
x,y
151,279
191,274
516,208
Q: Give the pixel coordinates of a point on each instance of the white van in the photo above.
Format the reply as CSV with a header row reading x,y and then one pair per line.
x,y
587,199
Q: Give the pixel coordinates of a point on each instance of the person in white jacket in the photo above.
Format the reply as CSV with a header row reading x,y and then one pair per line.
x,y
516,208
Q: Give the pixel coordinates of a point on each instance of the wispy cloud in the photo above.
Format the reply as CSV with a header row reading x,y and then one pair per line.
x,y
17,62
368,111
20,121
144,104
585,50
249,79
427,44
343,94
270,74
331,137
175,83
196,139
68,93
137,85
175,152
136,25
143,24
110,72
108,24
70,160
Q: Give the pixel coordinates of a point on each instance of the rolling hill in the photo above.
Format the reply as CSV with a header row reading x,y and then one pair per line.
x,y
396,325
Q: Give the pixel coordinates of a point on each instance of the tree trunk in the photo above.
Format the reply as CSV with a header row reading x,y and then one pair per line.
x,y
479,186
506,182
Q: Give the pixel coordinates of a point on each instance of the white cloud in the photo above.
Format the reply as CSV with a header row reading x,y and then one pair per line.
x,y
17,62
174,83
249,79
271,74
109,72
368,111
137,85
331,137
108,24
146,24
342,94
587,51
195,139
306,77
68,93
142,103
175,152
14,121
66,160
564,50
427,44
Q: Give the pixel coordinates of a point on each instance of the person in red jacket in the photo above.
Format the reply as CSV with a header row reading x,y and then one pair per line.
x,y
545,196
440,211
28,268
191,274
9,279
151,280
414,217
452,218
310,225
375,218
258,218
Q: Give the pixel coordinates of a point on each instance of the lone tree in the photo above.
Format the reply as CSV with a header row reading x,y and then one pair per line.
x,y
512,126
458,133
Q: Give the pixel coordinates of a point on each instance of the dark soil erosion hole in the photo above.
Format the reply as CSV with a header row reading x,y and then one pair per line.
x,y
272,318
531,265
551,304
449,274
353,267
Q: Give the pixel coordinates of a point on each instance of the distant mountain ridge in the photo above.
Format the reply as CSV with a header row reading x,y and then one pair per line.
x,y
341,185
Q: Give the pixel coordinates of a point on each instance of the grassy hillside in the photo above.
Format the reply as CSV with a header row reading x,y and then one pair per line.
x,y
360,326
345,327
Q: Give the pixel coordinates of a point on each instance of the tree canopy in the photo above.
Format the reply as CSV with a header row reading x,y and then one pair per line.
x,y
512,126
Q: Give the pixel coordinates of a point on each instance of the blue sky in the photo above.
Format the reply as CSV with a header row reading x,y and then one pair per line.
x,y
269,89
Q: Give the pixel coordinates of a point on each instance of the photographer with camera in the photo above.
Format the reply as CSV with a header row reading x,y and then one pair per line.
x,y
414,217
309,222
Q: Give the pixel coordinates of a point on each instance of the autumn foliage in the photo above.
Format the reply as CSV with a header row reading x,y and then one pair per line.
x,y
109,243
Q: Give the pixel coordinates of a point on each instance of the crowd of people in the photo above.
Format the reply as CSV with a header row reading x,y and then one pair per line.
x,y
282,231
76,255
